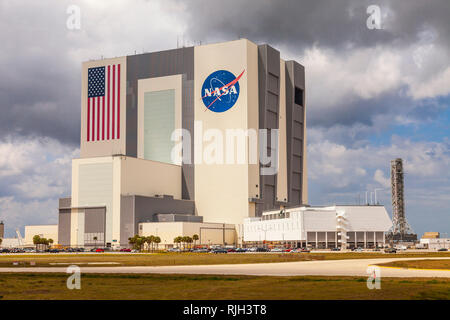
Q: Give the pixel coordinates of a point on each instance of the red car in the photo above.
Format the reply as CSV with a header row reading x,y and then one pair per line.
x,y
125,250
99,250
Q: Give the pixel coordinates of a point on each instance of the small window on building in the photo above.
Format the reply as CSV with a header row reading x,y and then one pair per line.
x,y
298,96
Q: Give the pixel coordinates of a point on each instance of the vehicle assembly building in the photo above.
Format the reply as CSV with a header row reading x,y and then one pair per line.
x,y
134,109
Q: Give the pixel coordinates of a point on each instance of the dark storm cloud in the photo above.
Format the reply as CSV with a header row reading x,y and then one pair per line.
x,y
299,24
39,85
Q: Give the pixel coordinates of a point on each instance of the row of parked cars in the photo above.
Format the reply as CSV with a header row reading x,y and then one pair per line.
x,y
239,250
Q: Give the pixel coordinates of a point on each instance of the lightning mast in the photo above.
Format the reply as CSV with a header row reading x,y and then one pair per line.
x,y
401,231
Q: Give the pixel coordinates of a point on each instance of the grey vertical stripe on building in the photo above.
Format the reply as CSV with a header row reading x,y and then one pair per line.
x,y
64,217
161,64
295,116
269,105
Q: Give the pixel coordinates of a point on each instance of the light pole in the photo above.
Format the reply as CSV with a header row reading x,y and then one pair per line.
x,y
375,191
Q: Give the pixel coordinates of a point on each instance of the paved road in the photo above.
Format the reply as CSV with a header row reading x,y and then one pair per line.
x,y
350,267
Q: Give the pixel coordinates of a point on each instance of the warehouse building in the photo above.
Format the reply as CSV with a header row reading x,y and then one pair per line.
x,y
320,227
161,144
44,231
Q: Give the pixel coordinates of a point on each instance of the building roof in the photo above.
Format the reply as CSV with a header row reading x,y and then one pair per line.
x,y
431,235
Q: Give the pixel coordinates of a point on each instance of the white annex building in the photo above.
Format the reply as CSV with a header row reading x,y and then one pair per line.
x,y
320,227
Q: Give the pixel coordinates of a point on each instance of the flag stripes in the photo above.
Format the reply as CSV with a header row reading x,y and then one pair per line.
x,y
103,103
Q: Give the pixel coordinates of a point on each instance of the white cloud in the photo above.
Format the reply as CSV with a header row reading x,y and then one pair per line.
x,y
34,174
381,179
332,177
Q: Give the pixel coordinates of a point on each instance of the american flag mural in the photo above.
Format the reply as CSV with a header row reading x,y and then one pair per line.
x,y
103,103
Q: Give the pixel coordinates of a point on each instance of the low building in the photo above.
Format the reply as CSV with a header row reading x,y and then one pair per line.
x,y
431,235
320,227
44,231
435,243
209,233
10,243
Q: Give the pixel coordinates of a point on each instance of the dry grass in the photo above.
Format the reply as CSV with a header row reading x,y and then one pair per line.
x,y
169,259
185,287
420,264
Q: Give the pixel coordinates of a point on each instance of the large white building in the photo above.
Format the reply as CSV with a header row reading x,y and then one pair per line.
x,y
133,110
320,227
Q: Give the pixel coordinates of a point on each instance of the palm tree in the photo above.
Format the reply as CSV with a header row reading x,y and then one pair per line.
x,y
195,238
36,241
189,241
136,241
50,241
1,240
157,240
95,241
149,240
177,240
184,241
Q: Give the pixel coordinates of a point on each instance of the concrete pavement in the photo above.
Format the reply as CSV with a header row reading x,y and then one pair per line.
x,y
349,267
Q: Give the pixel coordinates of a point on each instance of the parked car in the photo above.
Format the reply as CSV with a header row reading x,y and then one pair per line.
x,y
174,250
359,249
261,249
443,249
241,250
336,249
276,250
99,250
390,250
125,250
219,250
5,250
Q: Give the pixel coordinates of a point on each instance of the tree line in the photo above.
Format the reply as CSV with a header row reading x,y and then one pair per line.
x,y
38,241
139,242
186,240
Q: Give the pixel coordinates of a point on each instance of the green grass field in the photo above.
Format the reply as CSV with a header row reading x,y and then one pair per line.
x,y
184,287
168,259
420,264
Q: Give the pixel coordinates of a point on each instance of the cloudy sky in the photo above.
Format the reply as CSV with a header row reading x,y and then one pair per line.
x,y
372,94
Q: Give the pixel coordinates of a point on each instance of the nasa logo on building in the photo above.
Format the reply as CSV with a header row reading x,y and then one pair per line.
x,y
220,90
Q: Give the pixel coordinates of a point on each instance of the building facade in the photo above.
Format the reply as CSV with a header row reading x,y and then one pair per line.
x,y
213,133
44,231
320,227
